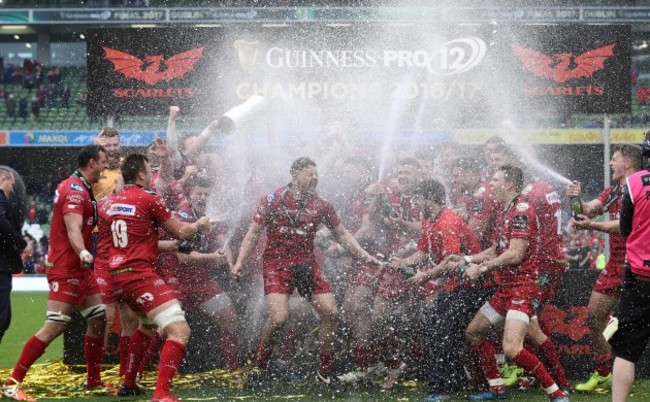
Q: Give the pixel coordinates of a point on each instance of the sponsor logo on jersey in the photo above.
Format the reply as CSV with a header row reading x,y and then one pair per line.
x,y
144,298
74,199
76,187
116,261
553,198
522,206
122,209
477,205
520,222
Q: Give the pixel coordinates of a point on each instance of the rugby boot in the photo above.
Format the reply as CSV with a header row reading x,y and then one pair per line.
x,y
128,391
436,398
489,395
102,389
331,381
15,392
510,374
596,381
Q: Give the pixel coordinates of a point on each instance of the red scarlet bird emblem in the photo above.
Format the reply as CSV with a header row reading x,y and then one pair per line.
x,y
563,66
150,70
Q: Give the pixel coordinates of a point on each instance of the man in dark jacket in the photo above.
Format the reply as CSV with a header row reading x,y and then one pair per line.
x,y
12,243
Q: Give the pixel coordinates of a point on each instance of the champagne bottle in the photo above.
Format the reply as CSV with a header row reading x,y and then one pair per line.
x,y
186,246
576,205
461,268
407,271
385,205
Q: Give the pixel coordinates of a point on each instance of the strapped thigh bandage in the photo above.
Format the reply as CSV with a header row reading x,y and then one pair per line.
x,y
57,317
94,311
172,314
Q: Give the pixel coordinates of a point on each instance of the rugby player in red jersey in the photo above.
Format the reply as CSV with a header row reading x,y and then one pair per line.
x,y
105,280
444,233
362,216
73,284
135,216
512,258
200,290
109,139
403,226
493,145
474,199
291,216
626,159
550,269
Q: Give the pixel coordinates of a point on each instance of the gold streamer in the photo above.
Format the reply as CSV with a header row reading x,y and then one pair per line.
x,y
57,380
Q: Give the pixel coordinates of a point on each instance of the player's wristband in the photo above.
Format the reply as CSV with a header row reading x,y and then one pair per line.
x,y
84,253
467,258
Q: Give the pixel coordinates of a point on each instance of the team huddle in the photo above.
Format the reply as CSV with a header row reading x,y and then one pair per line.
x,y
436,261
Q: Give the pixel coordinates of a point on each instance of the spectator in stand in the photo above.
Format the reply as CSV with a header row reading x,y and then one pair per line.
x,y
28,82
28,255
11,108
31,216
54,76
22,108
46,193
36,111
42,213
43,245
17,77
38,75
8,72
3,93
40,95
50,96
65,96
28,66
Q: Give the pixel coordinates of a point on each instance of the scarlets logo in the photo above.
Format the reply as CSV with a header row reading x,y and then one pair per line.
x,y
563,66
569,324
153,68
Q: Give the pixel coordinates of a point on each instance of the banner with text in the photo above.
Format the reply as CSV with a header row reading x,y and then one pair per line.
x,y
144,71
567,69
406,77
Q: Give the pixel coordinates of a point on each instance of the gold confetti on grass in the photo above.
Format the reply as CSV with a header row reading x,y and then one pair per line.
x,y
57,380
